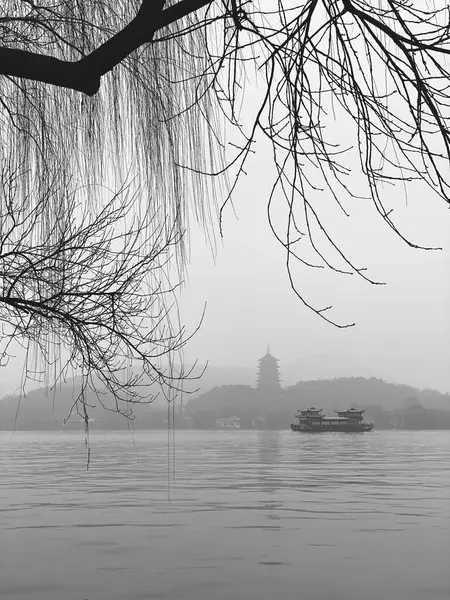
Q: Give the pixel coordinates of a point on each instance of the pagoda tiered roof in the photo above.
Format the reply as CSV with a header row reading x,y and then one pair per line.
x,y
268,373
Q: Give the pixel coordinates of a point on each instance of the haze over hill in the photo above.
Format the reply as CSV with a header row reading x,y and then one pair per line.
x,y
216,389
318,365
325,393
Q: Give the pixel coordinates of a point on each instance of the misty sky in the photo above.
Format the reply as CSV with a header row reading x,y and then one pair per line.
x,y
402,328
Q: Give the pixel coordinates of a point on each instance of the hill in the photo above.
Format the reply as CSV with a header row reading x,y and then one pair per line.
x,y
389,405
360,391
43,410
328,394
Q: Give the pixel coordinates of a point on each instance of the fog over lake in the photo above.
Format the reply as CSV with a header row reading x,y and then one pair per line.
x,y
240,514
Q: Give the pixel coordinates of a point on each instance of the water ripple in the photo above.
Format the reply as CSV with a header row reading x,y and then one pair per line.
x,y
248,515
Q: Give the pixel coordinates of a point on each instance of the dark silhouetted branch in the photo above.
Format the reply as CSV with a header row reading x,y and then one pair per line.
x,y
85,75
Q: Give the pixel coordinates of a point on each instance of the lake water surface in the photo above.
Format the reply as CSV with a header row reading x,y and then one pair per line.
x,y
245,515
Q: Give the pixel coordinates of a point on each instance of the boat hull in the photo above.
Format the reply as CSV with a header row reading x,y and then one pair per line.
x,y
324,429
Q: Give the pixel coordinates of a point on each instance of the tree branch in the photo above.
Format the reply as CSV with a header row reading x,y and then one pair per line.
x,y
85,75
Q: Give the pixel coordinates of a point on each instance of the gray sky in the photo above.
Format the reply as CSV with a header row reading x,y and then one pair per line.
x,y
402,329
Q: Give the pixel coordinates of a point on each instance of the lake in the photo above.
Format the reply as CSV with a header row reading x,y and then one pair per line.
x,y
247,515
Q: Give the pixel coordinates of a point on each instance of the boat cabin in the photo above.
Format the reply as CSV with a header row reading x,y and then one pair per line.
x,y
353,415
309,417
313,419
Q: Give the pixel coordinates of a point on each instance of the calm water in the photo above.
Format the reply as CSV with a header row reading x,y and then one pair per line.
x,y
243,515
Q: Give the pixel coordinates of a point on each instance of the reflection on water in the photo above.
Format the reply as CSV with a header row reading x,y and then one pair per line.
x,y
245,515
269,478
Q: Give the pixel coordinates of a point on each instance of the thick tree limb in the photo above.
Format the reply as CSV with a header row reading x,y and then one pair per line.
x,y
85,74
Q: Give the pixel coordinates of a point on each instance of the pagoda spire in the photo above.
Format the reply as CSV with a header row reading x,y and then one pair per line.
x,y
268,373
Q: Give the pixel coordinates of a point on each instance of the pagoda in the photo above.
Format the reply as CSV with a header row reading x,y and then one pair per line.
x,y
268,375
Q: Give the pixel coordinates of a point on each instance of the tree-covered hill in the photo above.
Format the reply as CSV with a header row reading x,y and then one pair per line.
x,y
389,405
359,391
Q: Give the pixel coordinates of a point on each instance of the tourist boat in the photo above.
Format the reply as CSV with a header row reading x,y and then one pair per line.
x,y
312,420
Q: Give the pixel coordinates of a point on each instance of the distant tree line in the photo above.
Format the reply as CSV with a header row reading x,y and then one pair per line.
x,y
389,405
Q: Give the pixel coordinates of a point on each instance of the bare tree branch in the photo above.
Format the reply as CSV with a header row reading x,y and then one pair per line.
x,y
85,74
91,290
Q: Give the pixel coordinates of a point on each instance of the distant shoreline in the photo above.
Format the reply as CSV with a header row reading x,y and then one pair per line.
x,y
135,428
